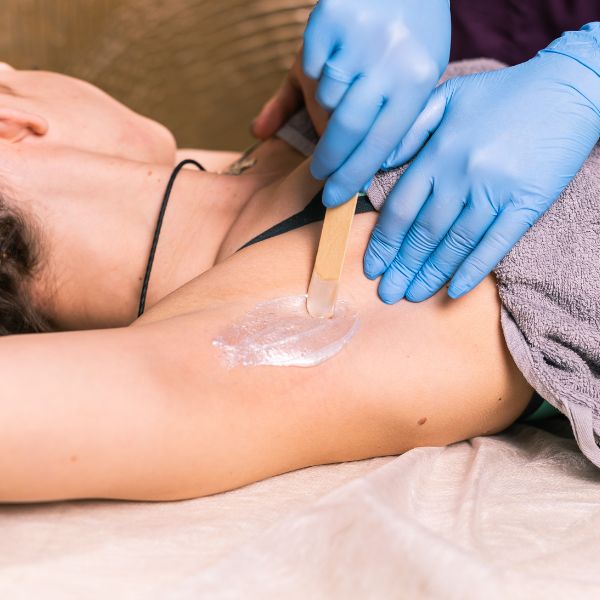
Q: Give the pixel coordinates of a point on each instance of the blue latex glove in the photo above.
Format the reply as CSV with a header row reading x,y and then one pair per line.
x,y
377,63
505,145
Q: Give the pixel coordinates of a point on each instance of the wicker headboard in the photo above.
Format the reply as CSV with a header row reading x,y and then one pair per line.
x,y
201,67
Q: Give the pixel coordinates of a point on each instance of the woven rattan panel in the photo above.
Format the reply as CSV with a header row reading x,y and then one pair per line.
x,y
201,67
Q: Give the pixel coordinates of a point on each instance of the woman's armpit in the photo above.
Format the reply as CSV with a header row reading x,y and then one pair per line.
x,y
414,374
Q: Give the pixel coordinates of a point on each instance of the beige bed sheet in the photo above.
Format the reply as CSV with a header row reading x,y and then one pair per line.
x,y
128,550
512,516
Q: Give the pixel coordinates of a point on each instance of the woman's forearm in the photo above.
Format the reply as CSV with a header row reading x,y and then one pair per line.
x,y
76,411
143,413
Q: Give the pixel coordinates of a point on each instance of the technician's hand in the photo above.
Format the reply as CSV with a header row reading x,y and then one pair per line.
x,y
376,62
296,91
505,145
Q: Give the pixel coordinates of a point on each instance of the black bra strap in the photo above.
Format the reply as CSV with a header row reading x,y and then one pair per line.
x,y
313,212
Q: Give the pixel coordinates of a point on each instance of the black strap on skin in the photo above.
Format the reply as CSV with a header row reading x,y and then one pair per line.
x,y
313,212
161,216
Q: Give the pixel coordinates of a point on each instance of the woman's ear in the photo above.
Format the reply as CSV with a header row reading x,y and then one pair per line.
x,y
16,125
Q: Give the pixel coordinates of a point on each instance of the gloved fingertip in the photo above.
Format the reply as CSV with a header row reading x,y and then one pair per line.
x,y
373,267
391,161
392,288
365,188
332,196
388,296
312,65
317,170
390,164
417,292
456,290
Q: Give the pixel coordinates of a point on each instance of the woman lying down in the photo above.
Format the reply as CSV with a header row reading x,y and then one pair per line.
x,y
192,398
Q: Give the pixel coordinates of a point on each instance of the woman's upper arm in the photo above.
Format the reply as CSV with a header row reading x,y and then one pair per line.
x,y
414,374
146,413
151,412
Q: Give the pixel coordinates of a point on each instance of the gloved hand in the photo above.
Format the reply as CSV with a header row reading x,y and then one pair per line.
x,y
377,62
505,145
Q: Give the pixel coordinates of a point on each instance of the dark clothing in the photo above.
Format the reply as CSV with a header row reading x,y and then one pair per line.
x,y
512,31
313,212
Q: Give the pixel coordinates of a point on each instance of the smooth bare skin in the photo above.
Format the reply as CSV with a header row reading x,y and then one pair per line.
x,y
53,110
96,215
149,411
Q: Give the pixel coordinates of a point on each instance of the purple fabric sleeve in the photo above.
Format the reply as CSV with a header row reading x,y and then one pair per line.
x,y
512,31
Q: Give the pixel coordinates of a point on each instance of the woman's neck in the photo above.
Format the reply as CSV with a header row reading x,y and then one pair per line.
x,y
97,224
96,216
211,224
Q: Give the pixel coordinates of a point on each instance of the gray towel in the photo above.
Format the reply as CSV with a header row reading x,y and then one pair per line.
x,y
549,286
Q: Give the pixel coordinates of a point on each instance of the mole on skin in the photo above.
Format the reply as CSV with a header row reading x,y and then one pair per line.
x,y
281,333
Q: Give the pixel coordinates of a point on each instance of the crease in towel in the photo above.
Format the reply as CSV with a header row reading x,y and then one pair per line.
x,y
549,285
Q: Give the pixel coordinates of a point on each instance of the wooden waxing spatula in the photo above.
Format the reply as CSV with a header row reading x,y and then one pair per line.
x,y
323,287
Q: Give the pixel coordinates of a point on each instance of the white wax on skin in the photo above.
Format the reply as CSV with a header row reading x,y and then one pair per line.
x,y
281,333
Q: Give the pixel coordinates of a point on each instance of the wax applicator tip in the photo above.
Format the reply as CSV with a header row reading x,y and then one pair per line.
x,y
321,298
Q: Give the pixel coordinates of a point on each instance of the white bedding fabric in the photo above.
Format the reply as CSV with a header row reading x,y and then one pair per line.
x,y
511,516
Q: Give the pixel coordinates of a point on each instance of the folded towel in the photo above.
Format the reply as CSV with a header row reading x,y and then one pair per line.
x,y
549,286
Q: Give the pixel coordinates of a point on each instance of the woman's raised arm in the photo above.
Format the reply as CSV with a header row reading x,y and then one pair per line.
x,y
151,412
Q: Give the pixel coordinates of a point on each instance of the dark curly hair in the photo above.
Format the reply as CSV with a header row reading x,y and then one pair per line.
x,y
19,262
